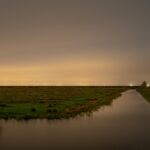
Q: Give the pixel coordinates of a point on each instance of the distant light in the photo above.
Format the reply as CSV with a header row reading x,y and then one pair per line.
x,y
148,85
131,85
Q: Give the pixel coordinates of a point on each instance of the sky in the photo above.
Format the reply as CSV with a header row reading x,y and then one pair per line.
x,y
74,42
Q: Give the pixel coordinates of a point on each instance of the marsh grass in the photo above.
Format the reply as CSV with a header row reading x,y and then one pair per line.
x,y
145,92
54,102
3,105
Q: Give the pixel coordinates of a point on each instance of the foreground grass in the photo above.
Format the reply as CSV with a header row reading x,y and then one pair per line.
x,y
54,102
145,92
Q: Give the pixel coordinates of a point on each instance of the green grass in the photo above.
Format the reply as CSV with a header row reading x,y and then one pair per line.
x,y
145,92
54,102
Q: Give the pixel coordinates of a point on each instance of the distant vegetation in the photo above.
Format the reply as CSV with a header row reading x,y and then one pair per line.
x,y
145,92
144,84
54,102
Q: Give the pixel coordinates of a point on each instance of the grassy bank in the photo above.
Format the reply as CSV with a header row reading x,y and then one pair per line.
x,y
145,92
54,102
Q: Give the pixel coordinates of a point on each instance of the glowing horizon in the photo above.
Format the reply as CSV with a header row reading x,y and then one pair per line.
x,y
74,42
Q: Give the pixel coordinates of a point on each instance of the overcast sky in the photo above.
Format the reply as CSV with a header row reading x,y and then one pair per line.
x,y
74,42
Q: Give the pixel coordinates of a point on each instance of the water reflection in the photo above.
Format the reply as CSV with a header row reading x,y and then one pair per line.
x,y
123,125
1,129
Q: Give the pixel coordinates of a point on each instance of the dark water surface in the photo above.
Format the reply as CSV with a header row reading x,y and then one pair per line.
x,y
123,125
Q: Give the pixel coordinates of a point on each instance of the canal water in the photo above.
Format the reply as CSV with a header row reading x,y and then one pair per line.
x,y
124,125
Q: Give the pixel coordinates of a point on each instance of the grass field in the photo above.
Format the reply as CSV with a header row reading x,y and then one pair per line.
x,y
54,102
145,92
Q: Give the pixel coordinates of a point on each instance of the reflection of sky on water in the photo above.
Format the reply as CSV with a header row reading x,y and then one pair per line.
x,y
123,125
